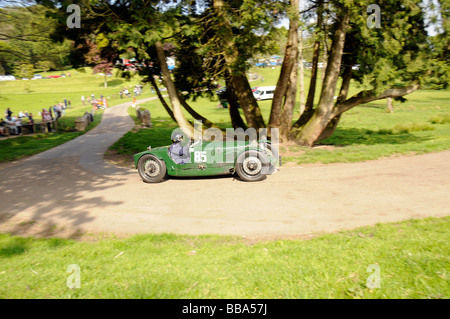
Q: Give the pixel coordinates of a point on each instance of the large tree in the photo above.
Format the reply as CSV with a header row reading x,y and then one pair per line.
x,y
216,39
389,60
26,38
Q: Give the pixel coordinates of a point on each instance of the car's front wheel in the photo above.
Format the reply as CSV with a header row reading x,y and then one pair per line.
x,y
151,169
251,166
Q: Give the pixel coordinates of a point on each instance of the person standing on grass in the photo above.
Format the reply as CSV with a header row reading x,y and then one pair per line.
x,y
47,119
11,121
55,110
18,123
2,128
8,112
83,100
31,122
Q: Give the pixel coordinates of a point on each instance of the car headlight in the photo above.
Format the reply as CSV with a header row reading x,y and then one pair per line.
x,y
149,148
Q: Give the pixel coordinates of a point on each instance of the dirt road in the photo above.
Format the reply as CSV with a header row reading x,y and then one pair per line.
x,y
71,189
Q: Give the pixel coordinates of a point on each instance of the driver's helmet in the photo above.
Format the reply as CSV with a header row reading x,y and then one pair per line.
x,y
176,138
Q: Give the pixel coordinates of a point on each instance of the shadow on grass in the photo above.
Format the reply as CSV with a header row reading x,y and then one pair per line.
x,y
354,136
14,246
115,82
138,141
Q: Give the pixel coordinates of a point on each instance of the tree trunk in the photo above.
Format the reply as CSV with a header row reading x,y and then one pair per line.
x,y
306,115
301,73
185,126
247,101
194,113
241,85
105,81
389,105
288,109
161,98
334,121
289,62
233,104
369,96
310,132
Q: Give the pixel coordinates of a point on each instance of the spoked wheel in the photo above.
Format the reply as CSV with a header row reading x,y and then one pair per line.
x,y
251,166
151,169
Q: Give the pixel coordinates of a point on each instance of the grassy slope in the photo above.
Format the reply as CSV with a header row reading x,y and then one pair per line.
x,y
33,95
412,259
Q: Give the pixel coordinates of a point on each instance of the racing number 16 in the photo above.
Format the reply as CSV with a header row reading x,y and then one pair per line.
x,y
199,156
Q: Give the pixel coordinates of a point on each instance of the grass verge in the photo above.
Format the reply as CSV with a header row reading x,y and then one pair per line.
x,y
409,259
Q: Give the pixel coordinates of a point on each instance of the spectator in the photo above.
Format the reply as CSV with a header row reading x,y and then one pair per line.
x,y
56,111
11,123
31,122
18,123
8,112
47,119
2,128
83,100
51,114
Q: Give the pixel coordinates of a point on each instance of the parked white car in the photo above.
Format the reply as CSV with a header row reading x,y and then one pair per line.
x,y
7,77
264,93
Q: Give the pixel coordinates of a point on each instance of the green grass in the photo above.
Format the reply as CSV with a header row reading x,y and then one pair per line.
x,y
412,258
34,95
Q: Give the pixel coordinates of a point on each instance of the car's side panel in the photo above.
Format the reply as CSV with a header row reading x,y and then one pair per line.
x,y
206,159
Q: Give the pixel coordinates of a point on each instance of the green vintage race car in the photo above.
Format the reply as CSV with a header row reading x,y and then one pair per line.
x,y
250,161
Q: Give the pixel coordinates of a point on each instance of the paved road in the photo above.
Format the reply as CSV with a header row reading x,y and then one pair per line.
x,y
71,189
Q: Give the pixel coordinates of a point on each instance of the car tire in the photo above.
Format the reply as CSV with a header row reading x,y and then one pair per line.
x,y
250,166
151,169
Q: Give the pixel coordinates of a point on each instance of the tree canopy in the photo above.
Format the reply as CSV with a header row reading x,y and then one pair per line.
x,y
214,40
26,40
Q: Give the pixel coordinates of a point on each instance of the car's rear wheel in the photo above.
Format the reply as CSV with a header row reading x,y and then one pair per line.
x,y
251,166
151,169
